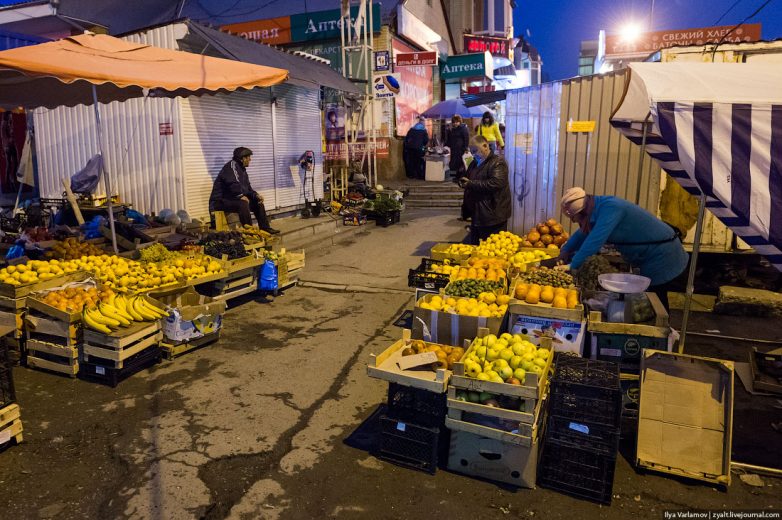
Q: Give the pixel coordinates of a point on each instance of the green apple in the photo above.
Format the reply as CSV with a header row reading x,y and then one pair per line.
x,y
499,363
506,354
518,338
505,373
518,349
486,366
542,353
485,396
527,365
492,374
472,369
481,352
540,362
530,349
482,376
497,379
536,369
507,337
477,342
515,362
520,374
501,343
474,397
492,354
490,340
529,356
461,395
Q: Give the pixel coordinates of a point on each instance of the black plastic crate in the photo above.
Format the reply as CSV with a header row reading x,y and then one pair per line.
x,y
576,472
396,216
416,405
108,375
7,392
595,437
579,402
410,445
427,264
427,280
571,368
384,220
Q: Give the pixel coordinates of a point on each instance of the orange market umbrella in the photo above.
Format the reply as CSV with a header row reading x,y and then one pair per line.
x,y
92,68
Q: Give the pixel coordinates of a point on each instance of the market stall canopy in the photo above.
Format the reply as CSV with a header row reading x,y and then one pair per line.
x,y
452,107
63,72
715,127
302,71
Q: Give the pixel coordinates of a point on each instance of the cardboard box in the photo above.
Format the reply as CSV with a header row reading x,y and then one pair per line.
x,y
391,366
685,416
449,329
192,315
492,459
566,336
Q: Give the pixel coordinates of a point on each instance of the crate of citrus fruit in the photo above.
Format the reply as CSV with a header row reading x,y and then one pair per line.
x,y
449,319
546,301
451,251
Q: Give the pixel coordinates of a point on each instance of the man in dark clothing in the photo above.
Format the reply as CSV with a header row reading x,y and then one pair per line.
x,y
487,192
232,192
415,149
457,140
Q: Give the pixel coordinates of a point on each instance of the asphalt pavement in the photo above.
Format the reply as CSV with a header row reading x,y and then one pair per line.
x,y
255,426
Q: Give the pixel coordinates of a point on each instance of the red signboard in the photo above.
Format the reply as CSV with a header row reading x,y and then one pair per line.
x,y
416,59
415,94
274,31
647,43
496,46
335,150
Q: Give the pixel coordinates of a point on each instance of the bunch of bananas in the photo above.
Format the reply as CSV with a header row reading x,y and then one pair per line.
x,y
120,311
253,234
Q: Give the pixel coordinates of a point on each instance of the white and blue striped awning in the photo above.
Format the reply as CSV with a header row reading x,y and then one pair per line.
x,y
715,127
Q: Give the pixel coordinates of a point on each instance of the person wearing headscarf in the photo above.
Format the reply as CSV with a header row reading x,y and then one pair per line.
x,y
232,192
643,240
490,130
415,149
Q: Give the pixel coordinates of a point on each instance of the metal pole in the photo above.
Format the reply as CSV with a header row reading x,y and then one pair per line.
x,y
106,179
641,162
696,247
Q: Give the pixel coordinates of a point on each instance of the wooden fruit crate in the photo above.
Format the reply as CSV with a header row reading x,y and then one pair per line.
x,y
545,310
121,344
237,284
526,434
10,424
384,366
241,264
22,291
533,388
174,350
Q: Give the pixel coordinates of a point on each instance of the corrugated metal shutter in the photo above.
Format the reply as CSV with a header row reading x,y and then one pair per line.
x,y
297,129
212,126
145,167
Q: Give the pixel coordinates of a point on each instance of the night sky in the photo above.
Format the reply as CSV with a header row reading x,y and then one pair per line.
x,y
558,26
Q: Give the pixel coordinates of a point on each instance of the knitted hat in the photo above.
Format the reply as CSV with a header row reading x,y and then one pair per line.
x,y
242,152
573,200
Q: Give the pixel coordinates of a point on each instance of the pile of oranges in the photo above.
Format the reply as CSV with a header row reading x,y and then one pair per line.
x,y
73,299
558,297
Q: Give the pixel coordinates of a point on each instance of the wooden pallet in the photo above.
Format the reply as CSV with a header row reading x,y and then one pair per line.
x,y
174,350
116,347
10,424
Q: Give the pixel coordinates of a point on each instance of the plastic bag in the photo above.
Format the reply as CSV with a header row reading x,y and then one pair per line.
x,y
92,228
86,179
16,251
268,280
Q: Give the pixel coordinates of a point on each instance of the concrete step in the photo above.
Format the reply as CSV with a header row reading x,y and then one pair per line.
x,y
434,197
441,193
451,187
433,203
322,237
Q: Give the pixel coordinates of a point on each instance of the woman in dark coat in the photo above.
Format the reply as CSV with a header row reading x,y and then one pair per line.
x,y
415,149
458,139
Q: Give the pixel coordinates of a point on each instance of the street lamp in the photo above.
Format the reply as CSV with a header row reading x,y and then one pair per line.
x,y
630,32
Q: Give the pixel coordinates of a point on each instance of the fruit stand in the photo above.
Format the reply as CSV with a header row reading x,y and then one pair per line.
x,y
506,365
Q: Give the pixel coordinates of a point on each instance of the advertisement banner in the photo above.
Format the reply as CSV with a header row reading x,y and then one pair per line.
x,y
324,25
274,31
650,42
500,47
415,93
335,151
385,86
335,121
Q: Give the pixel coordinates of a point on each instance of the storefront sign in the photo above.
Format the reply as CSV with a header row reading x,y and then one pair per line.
x,y
416,59
274,31
336,151
324,25
477,65
385,86
575,127
415,94
382,61
650,42
500,47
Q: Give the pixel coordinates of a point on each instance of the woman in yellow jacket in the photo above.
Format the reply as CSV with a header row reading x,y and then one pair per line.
x,y
490,131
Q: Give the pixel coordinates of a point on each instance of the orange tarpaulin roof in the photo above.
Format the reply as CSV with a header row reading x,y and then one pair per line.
x,y
63,72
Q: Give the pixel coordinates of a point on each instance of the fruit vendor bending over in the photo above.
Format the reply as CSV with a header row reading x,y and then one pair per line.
x,y
643,240
232,192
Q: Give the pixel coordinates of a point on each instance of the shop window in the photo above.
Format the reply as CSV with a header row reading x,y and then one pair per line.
x,y
499,17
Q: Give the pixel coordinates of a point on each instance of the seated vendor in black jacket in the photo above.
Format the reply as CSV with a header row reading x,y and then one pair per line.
x,y
232,192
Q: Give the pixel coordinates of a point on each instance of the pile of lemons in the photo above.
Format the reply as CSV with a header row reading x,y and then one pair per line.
x,y
459,249
527,257
501,245
487,305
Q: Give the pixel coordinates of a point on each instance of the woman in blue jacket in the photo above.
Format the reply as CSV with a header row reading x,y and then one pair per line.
x,y
643,240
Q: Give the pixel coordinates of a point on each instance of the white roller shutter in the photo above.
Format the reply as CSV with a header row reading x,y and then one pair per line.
x,y
297,129
212,126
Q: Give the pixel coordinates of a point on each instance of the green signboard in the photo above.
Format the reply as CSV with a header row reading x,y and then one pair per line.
x,y
467,66
324,25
